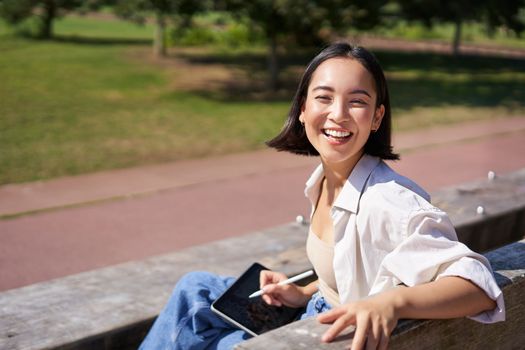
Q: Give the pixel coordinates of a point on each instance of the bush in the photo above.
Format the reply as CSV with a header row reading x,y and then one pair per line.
x,y
193,36
216,28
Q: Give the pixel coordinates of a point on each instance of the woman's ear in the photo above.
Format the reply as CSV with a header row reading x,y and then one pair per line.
x,y
378,117
301,116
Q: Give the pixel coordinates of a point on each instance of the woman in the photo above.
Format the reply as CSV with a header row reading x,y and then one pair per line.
x,y
381,251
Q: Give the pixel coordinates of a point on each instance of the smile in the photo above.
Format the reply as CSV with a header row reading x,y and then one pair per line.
x,y
337,134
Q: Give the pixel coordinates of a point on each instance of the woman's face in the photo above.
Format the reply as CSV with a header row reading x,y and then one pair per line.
x,y
340,110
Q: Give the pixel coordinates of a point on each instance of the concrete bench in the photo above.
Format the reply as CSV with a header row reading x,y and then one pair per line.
x,y
114,307
509,267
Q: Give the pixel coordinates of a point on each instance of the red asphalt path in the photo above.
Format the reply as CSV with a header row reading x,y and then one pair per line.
x,y
216,198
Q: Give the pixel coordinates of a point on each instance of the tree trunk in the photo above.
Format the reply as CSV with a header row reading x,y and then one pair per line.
x,y
159,42
49,13
457,37
273,69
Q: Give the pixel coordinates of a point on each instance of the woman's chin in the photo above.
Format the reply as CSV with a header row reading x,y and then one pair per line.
x,y
338,159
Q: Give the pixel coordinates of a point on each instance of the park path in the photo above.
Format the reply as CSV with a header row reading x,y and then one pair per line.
x,y
54,228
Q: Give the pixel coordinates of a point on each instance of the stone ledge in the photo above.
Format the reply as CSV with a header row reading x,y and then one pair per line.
x,y
111,305
509,267
114,307
503,202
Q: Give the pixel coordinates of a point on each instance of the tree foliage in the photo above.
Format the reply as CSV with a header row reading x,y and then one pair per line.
x,y
15,11
307,22
303,19
494,13
140,10
505,13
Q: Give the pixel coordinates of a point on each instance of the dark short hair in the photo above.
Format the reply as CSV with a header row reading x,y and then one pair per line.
x,y
292,137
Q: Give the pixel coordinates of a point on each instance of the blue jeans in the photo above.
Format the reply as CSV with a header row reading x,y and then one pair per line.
x,y
187,322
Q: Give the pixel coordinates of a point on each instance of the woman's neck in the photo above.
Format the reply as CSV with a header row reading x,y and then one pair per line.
x,y
337,173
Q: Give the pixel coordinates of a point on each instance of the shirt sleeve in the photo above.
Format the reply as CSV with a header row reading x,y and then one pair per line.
x,y
478,271
430,251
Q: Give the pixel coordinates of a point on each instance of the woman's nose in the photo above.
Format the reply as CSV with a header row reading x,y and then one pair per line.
x,y
339,111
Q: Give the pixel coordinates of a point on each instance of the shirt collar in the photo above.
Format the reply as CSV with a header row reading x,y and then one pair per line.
x,y
348,198
313,184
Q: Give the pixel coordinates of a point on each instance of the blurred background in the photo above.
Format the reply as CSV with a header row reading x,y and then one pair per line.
x,y
87,87
92,85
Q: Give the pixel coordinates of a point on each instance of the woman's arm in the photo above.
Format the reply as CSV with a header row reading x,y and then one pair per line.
x,y
448,297
377,316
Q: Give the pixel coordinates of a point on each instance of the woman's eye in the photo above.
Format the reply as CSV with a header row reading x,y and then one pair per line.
x,y
323,98
358,102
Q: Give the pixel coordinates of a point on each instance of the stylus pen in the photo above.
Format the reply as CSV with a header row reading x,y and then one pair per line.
x,y
285,282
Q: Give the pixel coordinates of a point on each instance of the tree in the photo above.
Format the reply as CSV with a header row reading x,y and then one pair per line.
x,y
505,13
493,12
303,20
139,10
15,11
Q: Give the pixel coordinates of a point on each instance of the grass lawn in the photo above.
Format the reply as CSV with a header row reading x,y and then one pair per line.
x,y
471,33
103,28
95,99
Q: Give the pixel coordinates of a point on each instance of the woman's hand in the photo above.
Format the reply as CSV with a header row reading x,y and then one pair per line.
x,y
374,318
290,295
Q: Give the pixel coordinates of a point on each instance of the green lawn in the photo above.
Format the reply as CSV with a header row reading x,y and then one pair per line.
x,y
94,99
78,26
471,33
71,108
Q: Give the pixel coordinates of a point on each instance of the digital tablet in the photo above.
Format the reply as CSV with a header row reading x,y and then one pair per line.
x,y
252,315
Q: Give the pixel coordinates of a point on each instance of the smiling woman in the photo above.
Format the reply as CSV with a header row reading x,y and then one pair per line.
x,y
366,91
338,118
380,250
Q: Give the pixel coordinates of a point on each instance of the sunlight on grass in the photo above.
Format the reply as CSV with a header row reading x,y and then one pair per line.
x,y
71,109
102,28
73,105
472,33
420,117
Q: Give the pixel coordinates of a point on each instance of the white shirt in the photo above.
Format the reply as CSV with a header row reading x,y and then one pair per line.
x,y
387,233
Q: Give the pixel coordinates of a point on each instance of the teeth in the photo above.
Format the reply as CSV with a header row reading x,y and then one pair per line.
x,y
336,133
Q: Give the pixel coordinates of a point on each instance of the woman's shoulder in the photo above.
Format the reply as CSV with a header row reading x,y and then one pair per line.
x,y
385,177
388,204
386,190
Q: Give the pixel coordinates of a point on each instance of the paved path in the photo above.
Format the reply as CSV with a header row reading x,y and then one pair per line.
x,y
68,225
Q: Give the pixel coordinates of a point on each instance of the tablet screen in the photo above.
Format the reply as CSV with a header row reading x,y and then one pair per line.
x,y
252,315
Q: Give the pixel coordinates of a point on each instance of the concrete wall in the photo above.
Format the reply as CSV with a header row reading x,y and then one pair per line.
x,y
113,307
462,334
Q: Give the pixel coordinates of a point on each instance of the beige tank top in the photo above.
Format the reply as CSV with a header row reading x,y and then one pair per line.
x,y
321,256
